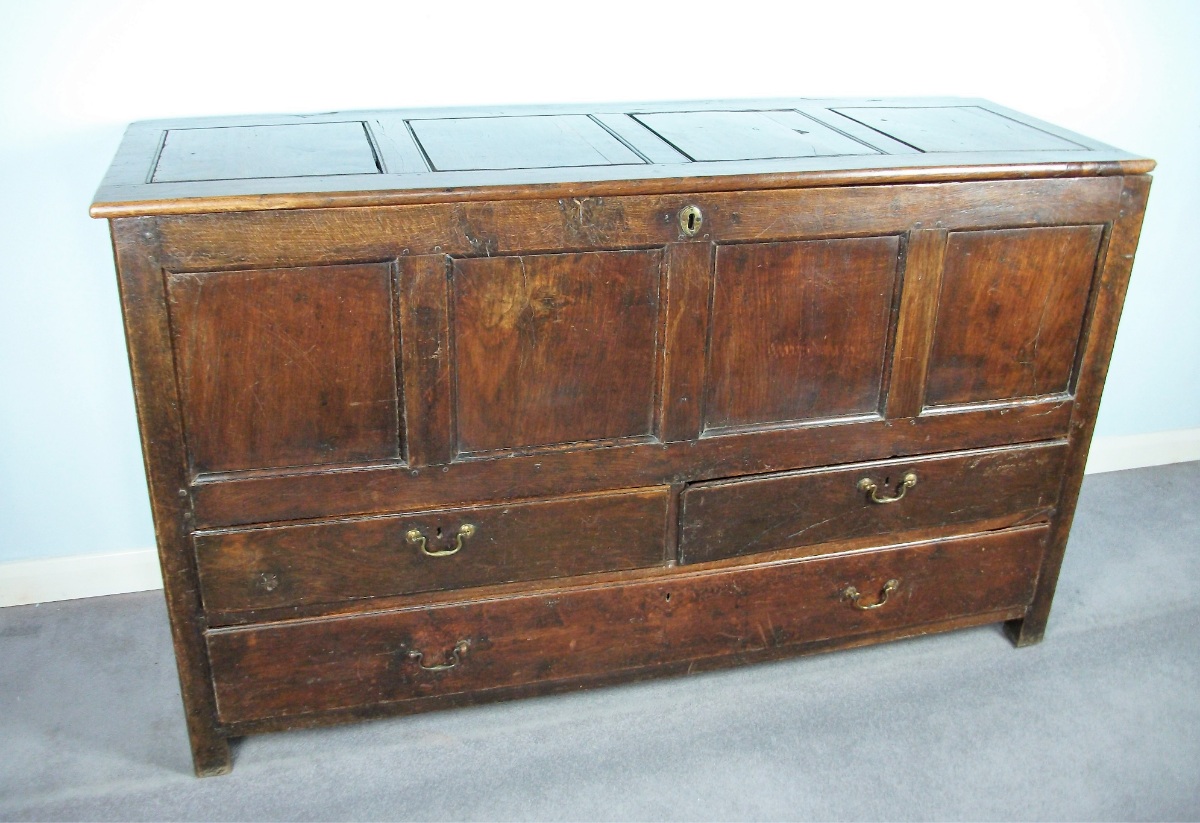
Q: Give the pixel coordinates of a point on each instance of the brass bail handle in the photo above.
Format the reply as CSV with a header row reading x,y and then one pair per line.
x,y
415,537
850,593
871,488
453,657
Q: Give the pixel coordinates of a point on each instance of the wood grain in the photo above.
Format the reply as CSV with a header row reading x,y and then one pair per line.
x,y
160,423
924,258
248,152
304,237
230,501
1010,313
656,436
740,145
1099,338
556,348
689,272
800,330
330,562
782,511
426,356
303,667
286,367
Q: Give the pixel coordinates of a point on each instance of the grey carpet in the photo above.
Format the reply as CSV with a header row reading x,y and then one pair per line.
x,y
1099,722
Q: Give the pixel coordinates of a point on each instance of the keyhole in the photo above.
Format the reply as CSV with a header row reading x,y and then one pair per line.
x,y
690,219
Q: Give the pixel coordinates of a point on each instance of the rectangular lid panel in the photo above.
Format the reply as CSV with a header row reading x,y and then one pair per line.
x,y
956,128
522,142
257,162
750,135
251,152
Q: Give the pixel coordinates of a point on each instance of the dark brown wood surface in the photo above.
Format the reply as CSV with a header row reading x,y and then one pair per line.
x,y
924,258
557,348
1099,337
312,563
321,665
577,151
750,135
286,367
261,497
781,511
953,128
814,317
425,354
685,339
152,367
534,142
655,428
296,150
305,237
1010,313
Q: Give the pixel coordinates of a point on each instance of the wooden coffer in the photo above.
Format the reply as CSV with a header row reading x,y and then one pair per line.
x,y
448,406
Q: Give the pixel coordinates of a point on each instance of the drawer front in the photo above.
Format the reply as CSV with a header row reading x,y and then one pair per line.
x,y
247,569
299,667
782,511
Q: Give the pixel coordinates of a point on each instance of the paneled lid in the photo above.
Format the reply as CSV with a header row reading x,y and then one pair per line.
x,y
253,163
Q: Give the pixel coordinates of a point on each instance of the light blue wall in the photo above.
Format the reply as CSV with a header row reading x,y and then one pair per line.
x,y
73,73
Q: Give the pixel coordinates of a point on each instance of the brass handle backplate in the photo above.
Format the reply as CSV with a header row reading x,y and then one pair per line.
x,y
850,593
415,537
453,657
871,488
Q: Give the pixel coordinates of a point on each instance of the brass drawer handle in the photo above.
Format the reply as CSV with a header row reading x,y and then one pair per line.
x,y
415,537
872,489
850,593
453,657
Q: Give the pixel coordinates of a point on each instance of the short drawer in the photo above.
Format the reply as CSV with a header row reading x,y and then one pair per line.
x,y
781,511
598,631
249,569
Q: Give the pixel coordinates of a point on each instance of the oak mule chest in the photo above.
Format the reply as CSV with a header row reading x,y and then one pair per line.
x,y
447,406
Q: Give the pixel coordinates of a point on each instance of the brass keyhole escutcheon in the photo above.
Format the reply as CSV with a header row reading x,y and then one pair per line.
x,y
690,219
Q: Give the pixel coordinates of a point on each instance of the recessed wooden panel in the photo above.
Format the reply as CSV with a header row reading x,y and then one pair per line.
x,y
750,135
250,152
555,348
529,142
286,367
799,329
1010,313
956,128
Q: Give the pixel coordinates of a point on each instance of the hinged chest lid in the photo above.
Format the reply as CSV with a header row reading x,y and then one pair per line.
x,y
251,163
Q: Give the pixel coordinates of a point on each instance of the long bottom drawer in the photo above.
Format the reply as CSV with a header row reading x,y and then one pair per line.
x,y
590,632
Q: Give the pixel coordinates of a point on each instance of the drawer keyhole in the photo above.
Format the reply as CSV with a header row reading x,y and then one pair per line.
x,y
690,220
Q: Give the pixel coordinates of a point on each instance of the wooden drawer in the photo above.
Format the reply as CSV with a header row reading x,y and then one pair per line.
x,y
590,632
1002,486
248,569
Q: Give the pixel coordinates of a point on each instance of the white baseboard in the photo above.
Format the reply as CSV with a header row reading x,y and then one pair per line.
x,y
94,575
76,576
1136,451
